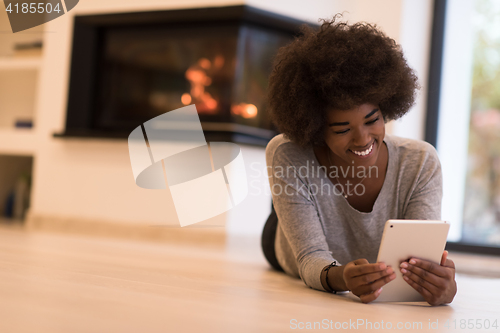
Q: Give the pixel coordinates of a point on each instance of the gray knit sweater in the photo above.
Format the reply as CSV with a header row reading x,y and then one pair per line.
x,y
316,224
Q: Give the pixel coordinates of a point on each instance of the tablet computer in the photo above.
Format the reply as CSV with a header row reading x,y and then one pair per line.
x,y
402,240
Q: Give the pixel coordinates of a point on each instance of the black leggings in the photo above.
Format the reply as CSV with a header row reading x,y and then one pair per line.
x,y
268,240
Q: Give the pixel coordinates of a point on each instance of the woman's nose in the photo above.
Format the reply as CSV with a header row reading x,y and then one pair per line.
x,y
361,138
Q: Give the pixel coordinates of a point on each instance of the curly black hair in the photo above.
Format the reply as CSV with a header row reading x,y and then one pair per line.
x,y
337,67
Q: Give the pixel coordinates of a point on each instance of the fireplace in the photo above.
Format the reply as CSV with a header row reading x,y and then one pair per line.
x,y
128,68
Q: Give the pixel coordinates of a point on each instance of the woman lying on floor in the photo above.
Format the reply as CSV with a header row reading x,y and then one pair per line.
x,y
335,176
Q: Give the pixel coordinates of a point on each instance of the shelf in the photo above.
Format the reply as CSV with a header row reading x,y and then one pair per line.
x,y
17,141
11,63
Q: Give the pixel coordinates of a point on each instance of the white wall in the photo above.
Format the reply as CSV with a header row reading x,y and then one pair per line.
x,y
415,36
92,179
454,115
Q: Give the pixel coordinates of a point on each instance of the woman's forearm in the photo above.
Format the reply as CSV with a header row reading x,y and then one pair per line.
x,y
335,278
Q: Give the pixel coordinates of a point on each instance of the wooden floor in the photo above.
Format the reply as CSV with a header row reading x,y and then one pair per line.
x,y
62,283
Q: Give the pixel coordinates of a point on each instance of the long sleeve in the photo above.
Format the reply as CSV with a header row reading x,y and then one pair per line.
x,y
297,214
424,199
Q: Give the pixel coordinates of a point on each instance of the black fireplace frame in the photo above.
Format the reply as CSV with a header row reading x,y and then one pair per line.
x,y
84,64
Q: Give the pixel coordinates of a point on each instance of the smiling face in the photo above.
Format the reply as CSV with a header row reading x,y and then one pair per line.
x,y
355,135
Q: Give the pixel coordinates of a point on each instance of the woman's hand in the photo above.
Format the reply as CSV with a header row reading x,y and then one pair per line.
x,y
366,280
435,282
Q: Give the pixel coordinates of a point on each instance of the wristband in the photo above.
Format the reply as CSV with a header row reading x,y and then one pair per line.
x,y
327,269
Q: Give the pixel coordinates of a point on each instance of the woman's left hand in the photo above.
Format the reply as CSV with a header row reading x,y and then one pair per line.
x,y
435,282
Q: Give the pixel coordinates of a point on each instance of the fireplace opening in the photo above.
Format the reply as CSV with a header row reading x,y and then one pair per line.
x,y
128,68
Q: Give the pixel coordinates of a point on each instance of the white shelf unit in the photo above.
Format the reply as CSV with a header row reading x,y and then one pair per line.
x,y
17,96
17,142
19,63
19,82
18,73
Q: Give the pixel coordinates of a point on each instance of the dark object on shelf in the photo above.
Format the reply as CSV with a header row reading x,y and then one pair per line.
x,y
18,200
24,123
9,206
32,49
21,197
28,46
128,68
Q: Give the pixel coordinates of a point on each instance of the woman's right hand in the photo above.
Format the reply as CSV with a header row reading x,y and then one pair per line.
x,y
366,280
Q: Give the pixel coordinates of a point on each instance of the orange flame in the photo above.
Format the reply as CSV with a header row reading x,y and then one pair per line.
x,y
244,110
198,77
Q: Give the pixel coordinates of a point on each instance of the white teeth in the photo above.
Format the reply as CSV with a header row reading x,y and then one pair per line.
x,y
363,153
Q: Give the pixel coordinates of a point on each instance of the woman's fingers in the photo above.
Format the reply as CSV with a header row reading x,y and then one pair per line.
x,y
361,261
444,257
433,281
428,266
363,269
375,285
423,277
425,266
421,280
366,280
367,298
372,277
419,288
449,263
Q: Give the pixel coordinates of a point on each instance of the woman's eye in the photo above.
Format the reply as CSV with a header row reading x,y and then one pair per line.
x,y
367,123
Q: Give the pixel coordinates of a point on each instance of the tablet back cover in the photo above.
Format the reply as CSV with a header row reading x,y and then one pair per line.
x,y
402,240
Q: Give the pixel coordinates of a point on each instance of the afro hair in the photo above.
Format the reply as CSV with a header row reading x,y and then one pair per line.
x,y
337,67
